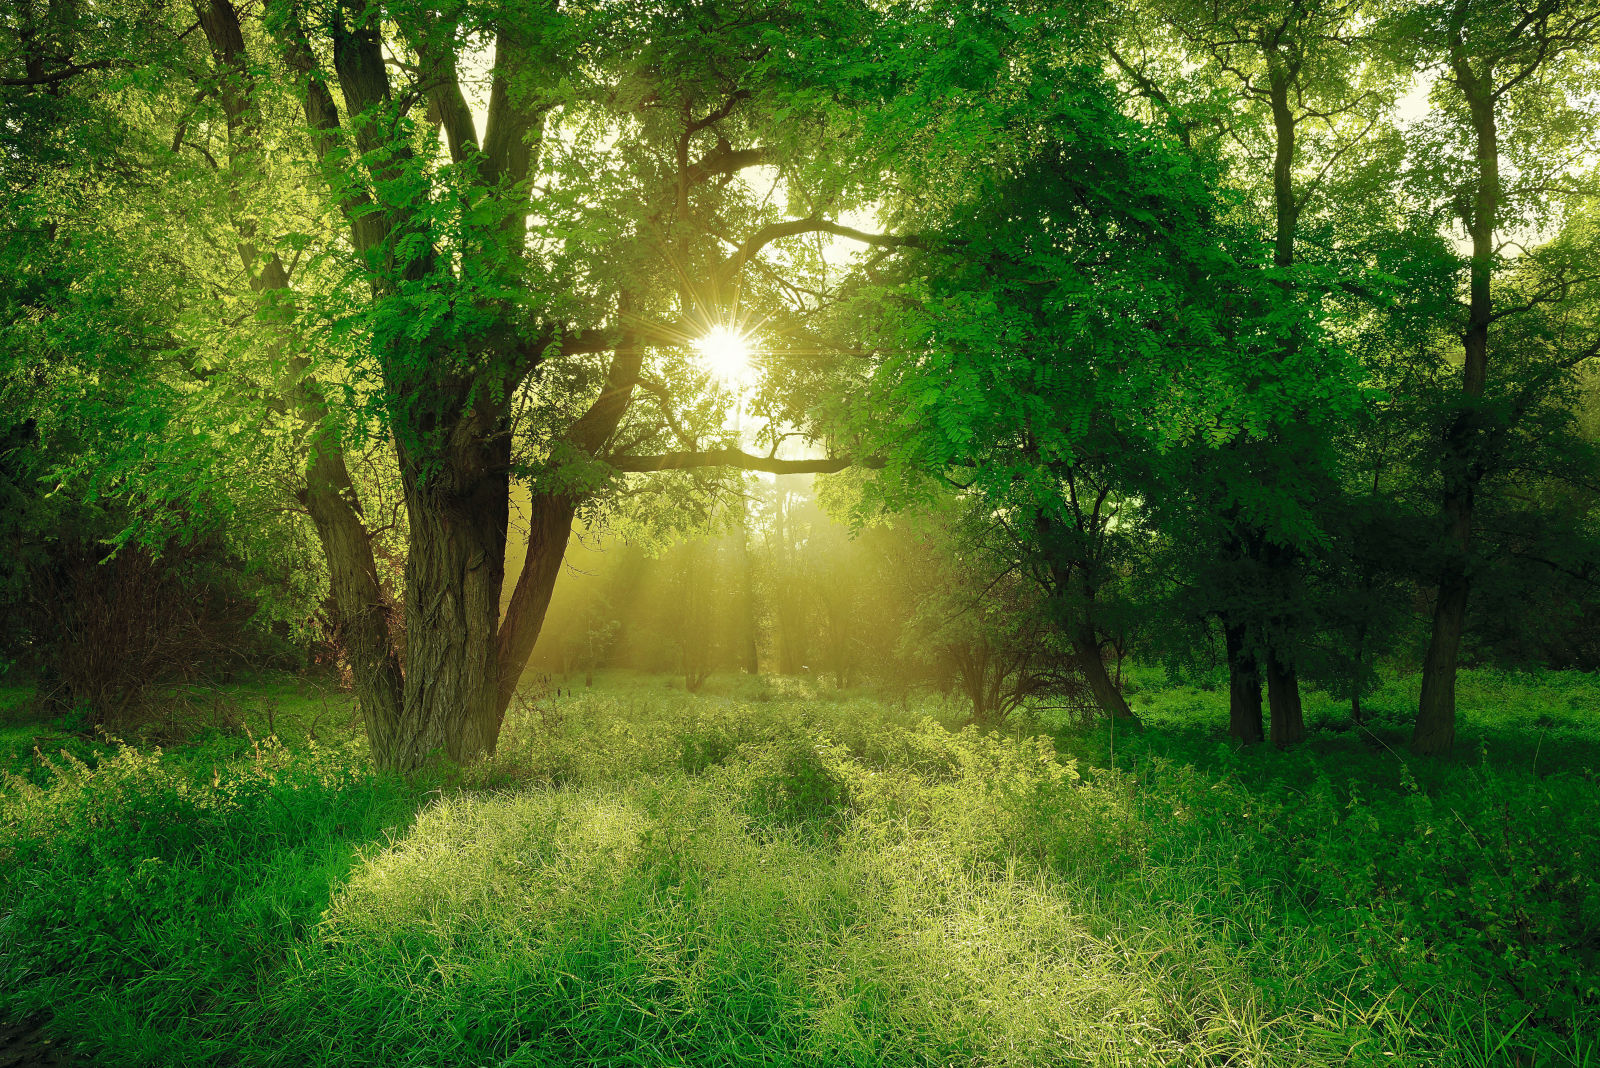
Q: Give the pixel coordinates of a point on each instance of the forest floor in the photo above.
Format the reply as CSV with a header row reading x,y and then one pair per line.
x,y
773,872
28,1045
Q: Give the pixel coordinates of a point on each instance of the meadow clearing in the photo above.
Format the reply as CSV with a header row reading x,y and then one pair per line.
x,y
775,872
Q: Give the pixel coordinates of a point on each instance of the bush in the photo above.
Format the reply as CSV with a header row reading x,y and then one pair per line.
x,y
798,784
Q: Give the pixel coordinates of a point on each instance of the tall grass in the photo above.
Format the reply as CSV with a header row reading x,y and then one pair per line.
x,y
777,876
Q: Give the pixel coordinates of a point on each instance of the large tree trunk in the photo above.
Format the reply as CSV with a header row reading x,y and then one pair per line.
x,y
454,573
1244,687
1462,467
1283,701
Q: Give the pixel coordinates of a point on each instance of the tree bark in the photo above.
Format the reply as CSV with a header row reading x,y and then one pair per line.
x,y
1244,687
459,511
1288,725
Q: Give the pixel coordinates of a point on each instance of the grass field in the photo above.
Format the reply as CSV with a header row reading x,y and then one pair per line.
x,y
771,873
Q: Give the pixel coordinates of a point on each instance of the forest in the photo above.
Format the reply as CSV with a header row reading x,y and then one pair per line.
x,y
800,532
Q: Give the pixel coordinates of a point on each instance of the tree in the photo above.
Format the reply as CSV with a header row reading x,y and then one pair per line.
x,y
507,302
1311,93
1082,329
1503,72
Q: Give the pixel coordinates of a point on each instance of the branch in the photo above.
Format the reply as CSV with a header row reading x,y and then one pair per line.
x,y
71,70
738,458
729,268
584,342
443,87
664,399
721,161
1153,92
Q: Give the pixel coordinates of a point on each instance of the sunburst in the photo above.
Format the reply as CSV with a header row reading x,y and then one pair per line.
x,y
726,351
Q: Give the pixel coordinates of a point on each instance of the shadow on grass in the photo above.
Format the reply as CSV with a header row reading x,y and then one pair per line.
x,y
146,896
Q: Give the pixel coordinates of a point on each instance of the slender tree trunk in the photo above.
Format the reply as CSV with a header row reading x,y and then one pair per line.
x,y
1357,714
788,603
549,528
1435,731
747,600
1244,687
361,612
1283,682
1462,467
1106,694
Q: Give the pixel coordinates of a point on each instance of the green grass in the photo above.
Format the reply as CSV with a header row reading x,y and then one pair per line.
x,y
768,873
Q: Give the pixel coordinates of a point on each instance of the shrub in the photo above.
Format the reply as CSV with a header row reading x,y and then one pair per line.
x,y
798,784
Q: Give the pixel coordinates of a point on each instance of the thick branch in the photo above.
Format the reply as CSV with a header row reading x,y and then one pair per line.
x,y
444,91
71,70
721,161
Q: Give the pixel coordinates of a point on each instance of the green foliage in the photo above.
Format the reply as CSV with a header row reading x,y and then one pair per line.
x,y
192,876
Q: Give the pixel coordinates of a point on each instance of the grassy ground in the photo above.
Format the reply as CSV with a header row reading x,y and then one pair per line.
x,y
771,874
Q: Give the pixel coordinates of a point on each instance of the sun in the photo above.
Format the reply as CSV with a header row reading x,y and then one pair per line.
x,y
726,351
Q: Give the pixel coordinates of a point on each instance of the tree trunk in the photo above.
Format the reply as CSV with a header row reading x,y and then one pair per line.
x,y
1357,714
1288,725
455,569
1462,467
788,608
747,599
361,611
1435,731
1106,694
1244,688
